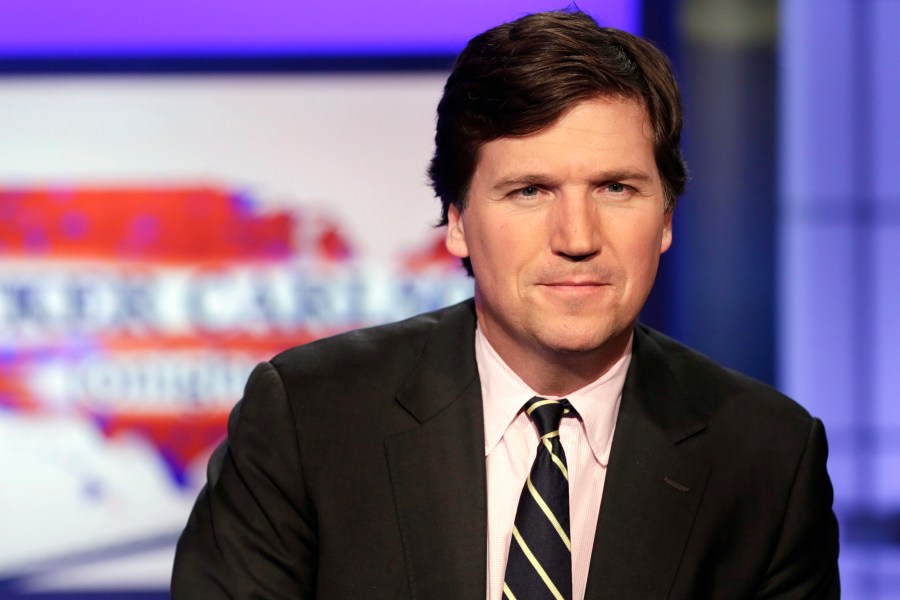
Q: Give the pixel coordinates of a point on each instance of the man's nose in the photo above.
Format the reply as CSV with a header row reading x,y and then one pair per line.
x,y
574,226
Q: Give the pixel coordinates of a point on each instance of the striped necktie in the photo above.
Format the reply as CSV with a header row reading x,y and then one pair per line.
x,y
540,553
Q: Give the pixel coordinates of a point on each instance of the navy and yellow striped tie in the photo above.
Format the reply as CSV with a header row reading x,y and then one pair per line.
x,y
540,552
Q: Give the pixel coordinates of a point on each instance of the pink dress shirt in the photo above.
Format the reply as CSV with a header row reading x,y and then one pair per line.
x,y
510,445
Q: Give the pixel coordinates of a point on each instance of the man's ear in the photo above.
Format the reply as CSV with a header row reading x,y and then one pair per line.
x,y
456,234
667,233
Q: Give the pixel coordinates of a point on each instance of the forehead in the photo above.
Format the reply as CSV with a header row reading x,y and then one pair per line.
x,y
601,133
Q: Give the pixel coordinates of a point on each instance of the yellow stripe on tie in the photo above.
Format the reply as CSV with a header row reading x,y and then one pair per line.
x,y
549,514
508,592
539,404
534,563
556,460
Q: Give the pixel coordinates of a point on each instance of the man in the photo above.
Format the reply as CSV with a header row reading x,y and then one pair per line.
x,y
402,462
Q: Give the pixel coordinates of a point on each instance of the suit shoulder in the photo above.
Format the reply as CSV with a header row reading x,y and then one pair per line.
x,y
372,350
723,389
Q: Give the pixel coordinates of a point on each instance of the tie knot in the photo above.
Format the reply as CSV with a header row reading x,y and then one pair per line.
x,y
547,414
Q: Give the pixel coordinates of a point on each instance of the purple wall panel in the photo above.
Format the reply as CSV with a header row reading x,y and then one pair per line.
x,y
885,58
839,272
815,104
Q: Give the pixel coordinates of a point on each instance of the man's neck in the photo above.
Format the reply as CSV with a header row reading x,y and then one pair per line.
x,y
558,373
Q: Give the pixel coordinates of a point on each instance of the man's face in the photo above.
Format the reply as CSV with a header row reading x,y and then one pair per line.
x,y
564,229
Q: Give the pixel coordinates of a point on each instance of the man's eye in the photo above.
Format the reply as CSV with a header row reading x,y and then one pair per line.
x,y
617,188
529,192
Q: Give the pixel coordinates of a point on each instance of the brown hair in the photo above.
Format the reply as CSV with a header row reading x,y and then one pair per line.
x,y
520,77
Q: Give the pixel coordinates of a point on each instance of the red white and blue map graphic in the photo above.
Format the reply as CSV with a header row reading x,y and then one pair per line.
x,y
130,318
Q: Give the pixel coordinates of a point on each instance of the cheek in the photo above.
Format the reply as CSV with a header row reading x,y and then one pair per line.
x,y
501,258
639,250
500,244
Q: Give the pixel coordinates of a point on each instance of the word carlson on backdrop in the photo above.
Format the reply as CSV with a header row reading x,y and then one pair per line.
x,y
143,311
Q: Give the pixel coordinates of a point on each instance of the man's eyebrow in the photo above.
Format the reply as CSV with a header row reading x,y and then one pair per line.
x,y
625,175
520,180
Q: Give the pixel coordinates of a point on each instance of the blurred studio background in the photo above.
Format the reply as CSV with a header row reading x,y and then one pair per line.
x,y
188,187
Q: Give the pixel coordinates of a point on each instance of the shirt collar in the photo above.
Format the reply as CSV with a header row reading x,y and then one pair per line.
x,y
504,393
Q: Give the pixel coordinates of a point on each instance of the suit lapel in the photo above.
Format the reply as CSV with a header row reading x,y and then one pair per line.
x,y
652,490
437,467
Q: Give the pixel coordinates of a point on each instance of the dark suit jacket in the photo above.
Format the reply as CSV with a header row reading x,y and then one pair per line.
x,y
355,469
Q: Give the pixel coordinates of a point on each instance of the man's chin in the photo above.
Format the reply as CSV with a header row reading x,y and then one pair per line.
x,y
579,344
